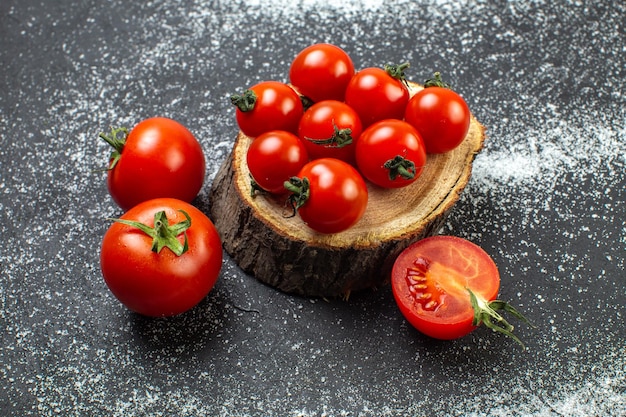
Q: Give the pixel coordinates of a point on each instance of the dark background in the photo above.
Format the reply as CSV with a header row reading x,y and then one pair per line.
x,y
546,200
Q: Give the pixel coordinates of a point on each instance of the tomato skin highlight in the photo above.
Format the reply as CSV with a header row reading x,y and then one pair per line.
x,y
382,142
441,116
322,72
375,95
277,107
319,123
439,270
161,284
160,158
338,195
274,157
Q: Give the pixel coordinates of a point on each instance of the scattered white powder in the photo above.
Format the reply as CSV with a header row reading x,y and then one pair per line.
x,y
546,200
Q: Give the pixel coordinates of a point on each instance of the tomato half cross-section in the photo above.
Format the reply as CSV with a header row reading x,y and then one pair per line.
x,y
161,258
446,286
159,157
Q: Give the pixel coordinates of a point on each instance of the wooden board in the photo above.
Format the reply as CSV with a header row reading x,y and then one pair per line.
x,y
283,252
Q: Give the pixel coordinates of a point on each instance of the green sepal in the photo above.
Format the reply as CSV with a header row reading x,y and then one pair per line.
x,y
244,102
487,312
162,234
339,138
116,142
436,81
300,190
400,167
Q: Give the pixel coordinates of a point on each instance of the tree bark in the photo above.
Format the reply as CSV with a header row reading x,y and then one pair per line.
x,y
284,253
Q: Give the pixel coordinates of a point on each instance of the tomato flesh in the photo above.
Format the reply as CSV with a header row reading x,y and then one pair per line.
x,y
430,282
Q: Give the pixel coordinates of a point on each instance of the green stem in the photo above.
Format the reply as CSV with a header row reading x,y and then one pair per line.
x,y
400,167
300,192
162,234
397,71
244,102
487,312
116,142
436,81
339,138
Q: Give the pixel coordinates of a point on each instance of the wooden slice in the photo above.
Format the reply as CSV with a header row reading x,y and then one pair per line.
x,y
284,253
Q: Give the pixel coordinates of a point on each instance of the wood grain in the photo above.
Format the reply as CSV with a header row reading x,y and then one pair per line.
x,y
284,253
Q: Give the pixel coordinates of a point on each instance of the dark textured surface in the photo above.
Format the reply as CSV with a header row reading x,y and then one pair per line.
x,y
546,201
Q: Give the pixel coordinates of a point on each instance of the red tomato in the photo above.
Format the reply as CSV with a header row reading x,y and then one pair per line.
x,y
158,158
330,129
441,116
322,72
274,157
445,286
390,153
269,105
378,94
161,283
329,194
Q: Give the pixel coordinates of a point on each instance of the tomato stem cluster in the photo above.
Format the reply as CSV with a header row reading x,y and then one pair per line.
x,y
116,142
436,81
400,167
300,191
339,138
244,102
397,71
162,234
486,312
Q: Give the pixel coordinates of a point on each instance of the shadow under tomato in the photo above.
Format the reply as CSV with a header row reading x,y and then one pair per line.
x,y
185,333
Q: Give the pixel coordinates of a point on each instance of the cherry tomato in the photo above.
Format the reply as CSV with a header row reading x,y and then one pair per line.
x,y
445,286
390,153
378,94
158,158
274,157
161,282
329,194
330,129
441,116
269,105
322,72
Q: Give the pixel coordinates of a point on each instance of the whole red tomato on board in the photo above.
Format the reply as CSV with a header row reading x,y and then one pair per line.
x,y
266,106
161,258
390,153
440,115
445,286
329,195
159,157
378,94
274,157
330,129
321,72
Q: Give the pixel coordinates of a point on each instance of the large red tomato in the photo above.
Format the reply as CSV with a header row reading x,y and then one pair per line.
x,y
158,158
441,116
390,153
321,72
266,106
274,157
161,258
330,129
378,94
329,194
445,286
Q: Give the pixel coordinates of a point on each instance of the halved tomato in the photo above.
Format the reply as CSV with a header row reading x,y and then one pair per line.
x,y
446,286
